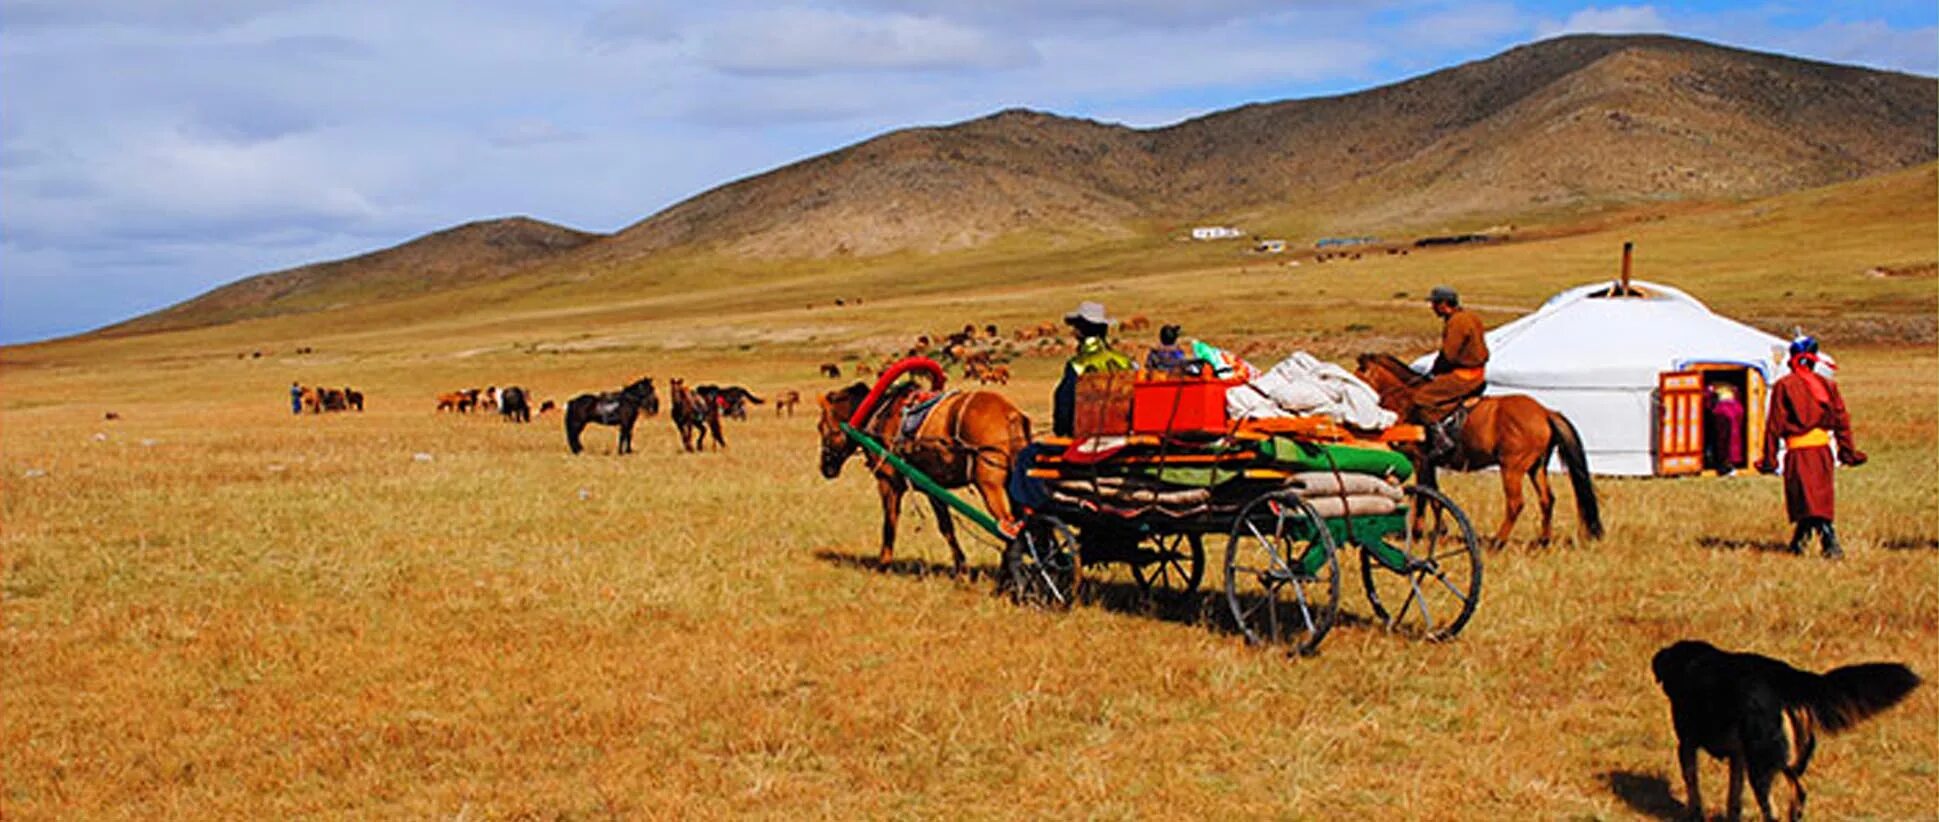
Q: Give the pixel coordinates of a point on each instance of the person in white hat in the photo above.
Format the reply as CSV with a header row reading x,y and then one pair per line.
x,y
1094,354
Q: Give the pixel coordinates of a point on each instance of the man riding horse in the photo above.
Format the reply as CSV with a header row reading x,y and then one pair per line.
x,y
1459,372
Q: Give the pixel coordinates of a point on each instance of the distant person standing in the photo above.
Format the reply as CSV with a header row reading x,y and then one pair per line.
x,y
296,398
1725,437
1808,416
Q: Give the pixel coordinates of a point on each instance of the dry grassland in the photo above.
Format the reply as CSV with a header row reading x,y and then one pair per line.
x,y
214,609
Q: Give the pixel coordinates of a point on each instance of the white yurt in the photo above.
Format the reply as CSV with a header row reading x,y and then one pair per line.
x,y
1631,366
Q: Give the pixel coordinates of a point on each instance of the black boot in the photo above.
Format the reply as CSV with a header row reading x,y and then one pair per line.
x,y
1440,443
1830,537
1799,534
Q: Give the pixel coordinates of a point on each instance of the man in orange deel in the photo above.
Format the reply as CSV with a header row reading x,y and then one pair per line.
x,y
1808,415
1458,371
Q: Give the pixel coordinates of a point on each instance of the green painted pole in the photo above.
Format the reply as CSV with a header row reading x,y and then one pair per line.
x,y
928,486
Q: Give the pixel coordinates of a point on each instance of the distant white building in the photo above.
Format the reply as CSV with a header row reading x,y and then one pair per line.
x,y
1216,232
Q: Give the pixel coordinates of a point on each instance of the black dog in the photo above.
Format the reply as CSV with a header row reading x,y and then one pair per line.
x,y
1763,716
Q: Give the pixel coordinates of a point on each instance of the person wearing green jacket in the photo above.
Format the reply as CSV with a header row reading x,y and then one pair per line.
x,y
1094,354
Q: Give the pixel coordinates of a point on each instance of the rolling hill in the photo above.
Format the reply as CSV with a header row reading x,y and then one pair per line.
x,y
465,255
1566,125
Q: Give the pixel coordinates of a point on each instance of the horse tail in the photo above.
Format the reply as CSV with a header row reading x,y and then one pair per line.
x,y
1566,440
575,420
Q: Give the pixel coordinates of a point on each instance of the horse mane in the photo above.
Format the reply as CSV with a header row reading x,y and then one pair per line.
x,y
1392,365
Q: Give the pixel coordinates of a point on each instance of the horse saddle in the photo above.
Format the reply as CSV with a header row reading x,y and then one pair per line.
x,y
1443,436
917,412
606,410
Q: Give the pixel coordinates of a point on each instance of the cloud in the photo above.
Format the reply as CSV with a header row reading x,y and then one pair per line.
x,y
806,41
1462,26
529,131
174,14
1611,20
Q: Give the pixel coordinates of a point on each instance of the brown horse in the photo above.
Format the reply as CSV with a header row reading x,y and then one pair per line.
x,y
970,438
786,401
1512,431
696,414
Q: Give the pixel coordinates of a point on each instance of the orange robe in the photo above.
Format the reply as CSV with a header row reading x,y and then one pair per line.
x,y
1457,372
1802,402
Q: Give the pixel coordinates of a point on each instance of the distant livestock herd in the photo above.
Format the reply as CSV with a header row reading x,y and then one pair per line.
x,y
317,399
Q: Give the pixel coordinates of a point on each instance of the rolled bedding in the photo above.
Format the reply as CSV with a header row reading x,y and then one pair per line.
x,y
1362,505
1329,484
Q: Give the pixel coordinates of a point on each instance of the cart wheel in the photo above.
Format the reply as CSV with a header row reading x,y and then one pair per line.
x,y
1431,597
1041,564
1169,566
1282,577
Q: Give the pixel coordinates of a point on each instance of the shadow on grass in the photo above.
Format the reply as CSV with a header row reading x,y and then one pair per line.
x,y
1910,544
1738,544
1645,794
1206,607
915,568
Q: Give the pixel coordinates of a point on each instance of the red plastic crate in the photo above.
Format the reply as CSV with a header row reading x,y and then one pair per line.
x,y
1179,406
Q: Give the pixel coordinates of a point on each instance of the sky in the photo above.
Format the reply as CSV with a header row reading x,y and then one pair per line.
x,y
153,149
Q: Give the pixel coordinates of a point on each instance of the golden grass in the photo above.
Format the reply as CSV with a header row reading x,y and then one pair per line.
x,y
221,610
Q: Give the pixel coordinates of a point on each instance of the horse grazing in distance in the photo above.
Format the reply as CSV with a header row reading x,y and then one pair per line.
x,y
732,400
512,405
831,370
353,398
1512,431
616,408
967,438
547,407
694,414
786,400
453,402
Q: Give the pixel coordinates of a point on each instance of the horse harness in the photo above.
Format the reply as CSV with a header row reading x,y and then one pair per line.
x,y
914,417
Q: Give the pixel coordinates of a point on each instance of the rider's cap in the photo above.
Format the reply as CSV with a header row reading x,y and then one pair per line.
x,y
1089,312
1443,294
1804,345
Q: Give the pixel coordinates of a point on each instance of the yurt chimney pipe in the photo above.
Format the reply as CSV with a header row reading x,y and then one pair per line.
x,y
1626,292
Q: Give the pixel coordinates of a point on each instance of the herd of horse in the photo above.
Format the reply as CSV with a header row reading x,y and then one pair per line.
x,y
972,438
696,411
317,399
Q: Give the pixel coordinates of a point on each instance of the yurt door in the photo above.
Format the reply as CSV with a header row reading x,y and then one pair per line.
x,y
1679,423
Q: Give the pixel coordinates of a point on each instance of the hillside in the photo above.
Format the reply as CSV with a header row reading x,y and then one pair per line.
x,y
464,255
1567,125
1575,121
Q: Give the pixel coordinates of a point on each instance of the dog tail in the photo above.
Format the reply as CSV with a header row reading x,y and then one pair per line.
x,y
1844,696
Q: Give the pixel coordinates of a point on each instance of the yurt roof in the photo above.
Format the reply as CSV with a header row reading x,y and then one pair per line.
x,y
1592,336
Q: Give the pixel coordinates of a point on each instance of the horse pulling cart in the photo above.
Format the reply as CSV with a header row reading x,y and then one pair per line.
x,y
1288,496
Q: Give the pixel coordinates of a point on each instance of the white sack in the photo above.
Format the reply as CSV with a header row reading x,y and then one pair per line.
x,y
1303,385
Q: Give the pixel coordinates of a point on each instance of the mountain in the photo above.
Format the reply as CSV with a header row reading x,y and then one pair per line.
x,y
1574,121
471,253
1565,125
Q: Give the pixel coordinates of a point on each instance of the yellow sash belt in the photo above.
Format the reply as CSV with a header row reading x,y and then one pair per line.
x,y
1476,373
1814,438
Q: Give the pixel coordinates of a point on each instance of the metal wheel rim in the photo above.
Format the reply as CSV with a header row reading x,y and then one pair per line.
x,y
1175,574
1313,599
1044,569
1442,584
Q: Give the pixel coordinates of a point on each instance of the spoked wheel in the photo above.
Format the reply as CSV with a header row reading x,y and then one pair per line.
x,y
1282,577
1041,564
1169,566
1438,582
